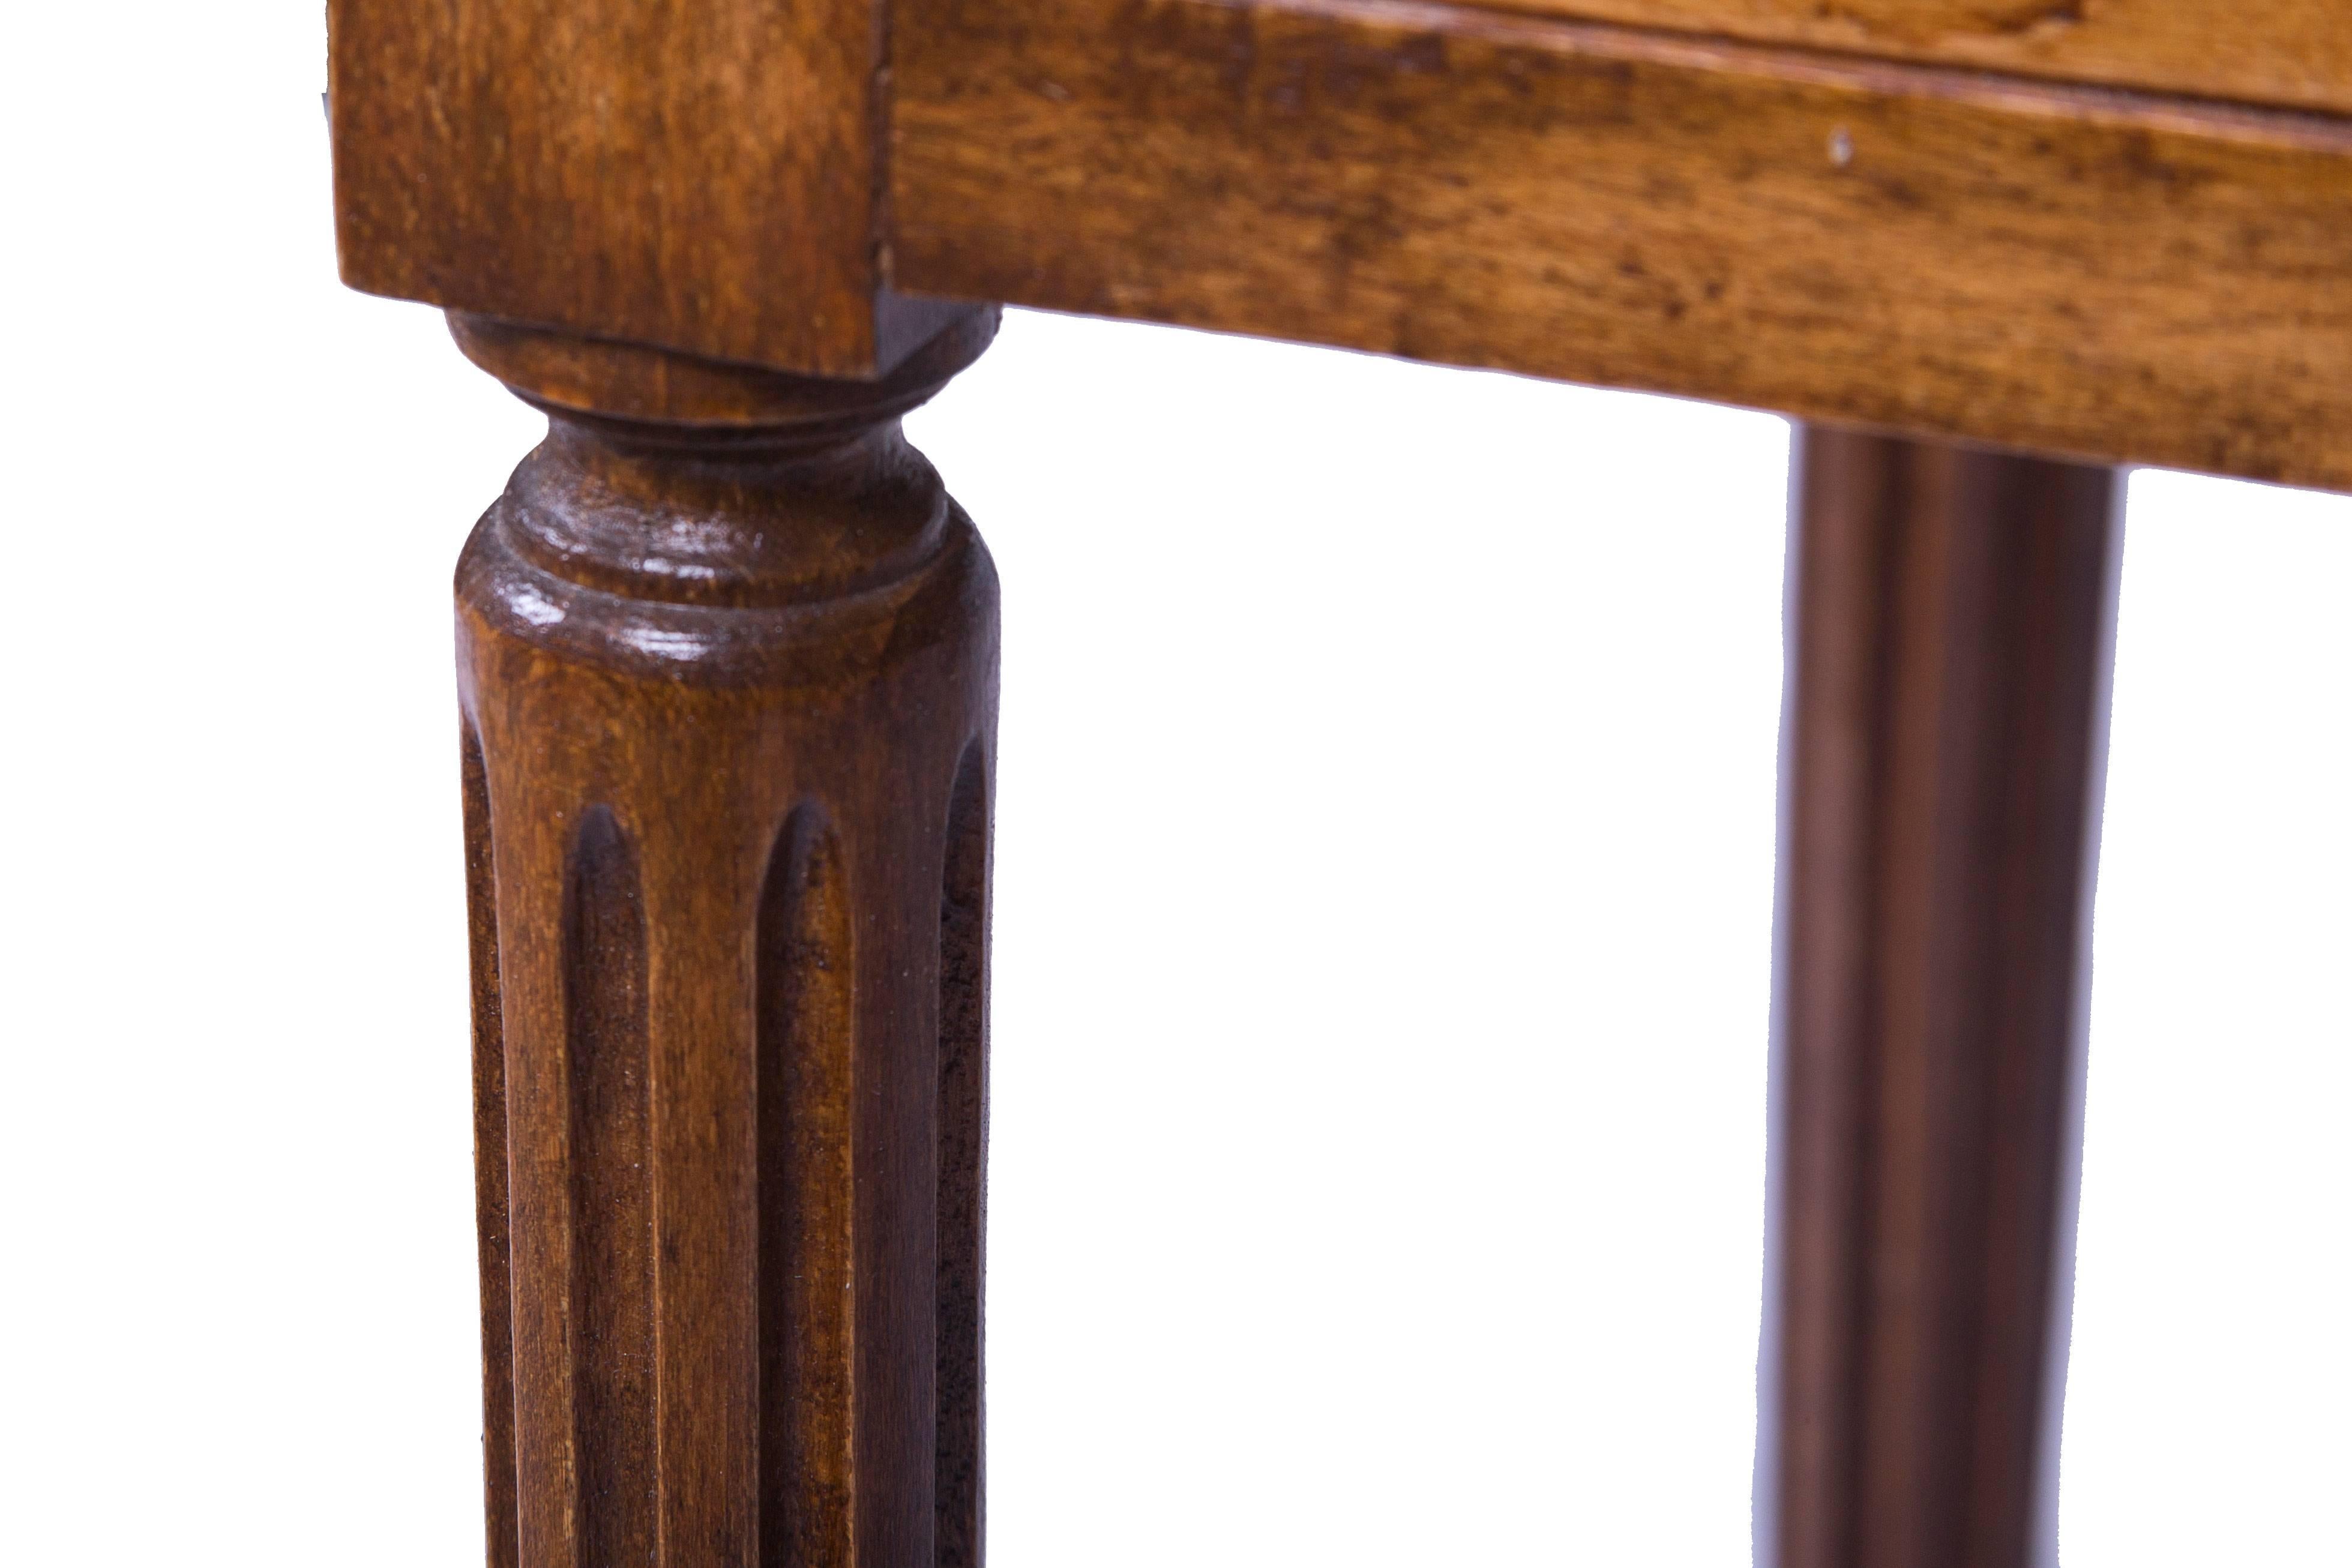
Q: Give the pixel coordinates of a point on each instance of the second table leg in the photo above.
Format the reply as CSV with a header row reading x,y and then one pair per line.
x,y
1951,648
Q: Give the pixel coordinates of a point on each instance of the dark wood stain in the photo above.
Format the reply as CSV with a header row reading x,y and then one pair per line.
x,y
961,1462
807,1051
1952,643
612,1180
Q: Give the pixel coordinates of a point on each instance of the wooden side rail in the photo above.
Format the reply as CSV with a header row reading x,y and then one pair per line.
x,y
2113,233
2283,51
2110,275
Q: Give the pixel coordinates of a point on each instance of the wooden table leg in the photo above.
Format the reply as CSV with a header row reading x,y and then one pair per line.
x,y
727,663
1951,647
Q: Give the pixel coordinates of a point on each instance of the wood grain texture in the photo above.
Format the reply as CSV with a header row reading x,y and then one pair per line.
x,y
2080,272
2292,53
729,680
1951,652
706,177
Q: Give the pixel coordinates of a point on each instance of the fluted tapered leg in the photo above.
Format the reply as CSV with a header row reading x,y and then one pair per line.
x,y
1945,741
727,662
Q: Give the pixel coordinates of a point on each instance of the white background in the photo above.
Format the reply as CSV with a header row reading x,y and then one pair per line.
x,y
1382,937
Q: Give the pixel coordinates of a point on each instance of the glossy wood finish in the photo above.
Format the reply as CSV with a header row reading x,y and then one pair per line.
x,y
728,664
1942,253
1952,646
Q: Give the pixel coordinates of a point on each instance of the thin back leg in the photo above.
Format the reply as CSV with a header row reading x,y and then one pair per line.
x,y
1951,645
